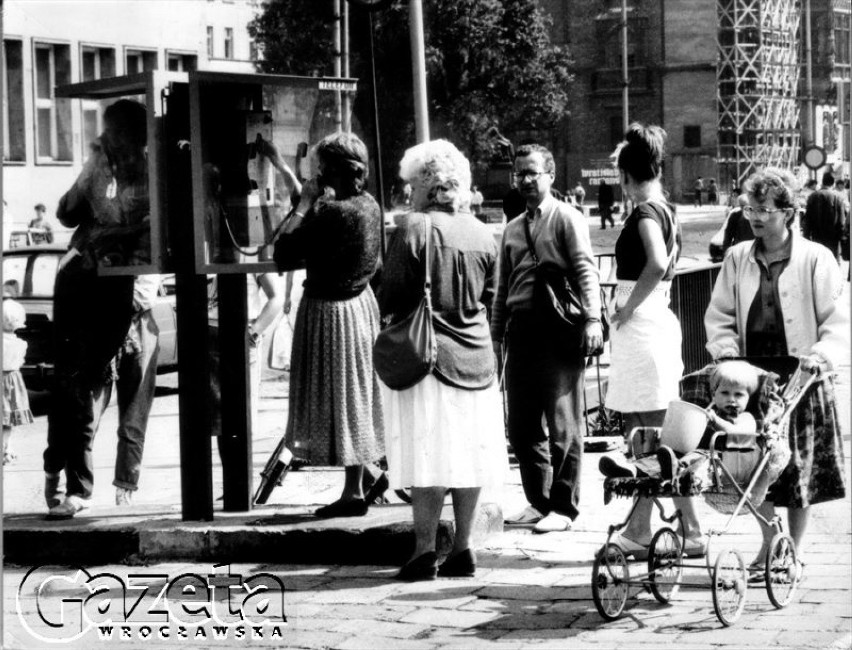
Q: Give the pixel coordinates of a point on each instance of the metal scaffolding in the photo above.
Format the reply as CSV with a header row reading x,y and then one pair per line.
x,y
757,76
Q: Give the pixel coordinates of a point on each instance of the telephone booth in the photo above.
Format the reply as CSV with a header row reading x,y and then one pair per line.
x,y
210,205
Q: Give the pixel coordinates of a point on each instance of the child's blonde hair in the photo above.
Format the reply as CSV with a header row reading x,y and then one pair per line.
x,y
736,373
14,316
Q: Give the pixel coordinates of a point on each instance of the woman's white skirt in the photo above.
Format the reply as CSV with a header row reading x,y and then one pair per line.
x,y
439,435
646,363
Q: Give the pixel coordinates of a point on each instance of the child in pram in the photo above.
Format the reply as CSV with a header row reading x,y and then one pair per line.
x,y
734,385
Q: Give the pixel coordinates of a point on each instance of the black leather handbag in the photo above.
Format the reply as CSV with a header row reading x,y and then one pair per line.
x,y
556,301
405,352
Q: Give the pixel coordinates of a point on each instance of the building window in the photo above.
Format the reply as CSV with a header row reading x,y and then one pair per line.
x,y
229,43
841,38
96,63
136,61
692,137
182,62
53,116
14,145
210,50
616,130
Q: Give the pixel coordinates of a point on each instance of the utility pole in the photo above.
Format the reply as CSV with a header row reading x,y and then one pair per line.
x,y
338,96
347,98
625,77
418,65
809,80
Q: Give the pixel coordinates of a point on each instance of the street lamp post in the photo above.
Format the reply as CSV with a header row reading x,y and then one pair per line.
x,y
418,65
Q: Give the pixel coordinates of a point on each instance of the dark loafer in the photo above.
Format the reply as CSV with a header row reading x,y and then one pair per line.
x,y
460,565
423,567
351,508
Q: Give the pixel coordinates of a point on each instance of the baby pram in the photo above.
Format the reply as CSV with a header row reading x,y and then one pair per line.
x,y
735,462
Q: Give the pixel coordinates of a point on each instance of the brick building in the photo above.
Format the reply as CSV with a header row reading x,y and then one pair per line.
x,y
672,58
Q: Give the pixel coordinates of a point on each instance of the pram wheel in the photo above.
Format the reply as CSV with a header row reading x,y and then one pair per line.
x,y
730,582
782,569
609,582
664,567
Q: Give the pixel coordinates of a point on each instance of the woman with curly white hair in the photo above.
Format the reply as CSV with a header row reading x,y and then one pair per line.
x,y
445,432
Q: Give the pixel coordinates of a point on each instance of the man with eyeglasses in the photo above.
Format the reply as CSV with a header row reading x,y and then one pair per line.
x,y
826,218
544,372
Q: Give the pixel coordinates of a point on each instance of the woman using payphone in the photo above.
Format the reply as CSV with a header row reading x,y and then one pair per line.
x,y
335,413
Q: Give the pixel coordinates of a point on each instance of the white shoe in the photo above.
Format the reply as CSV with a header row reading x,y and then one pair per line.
x,y
123,497
70,507
631,547
54,489
528,515
553,523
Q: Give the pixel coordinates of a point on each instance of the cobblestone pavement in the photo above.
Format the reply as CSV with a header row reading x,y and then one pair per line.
x,y
530,591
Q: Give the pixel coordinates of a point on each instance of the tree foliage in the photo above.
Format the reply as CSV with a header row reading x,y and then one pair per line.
x,y
490,63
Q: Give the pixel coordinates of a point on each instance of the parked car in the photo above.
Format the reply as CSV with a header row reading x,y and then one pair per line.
x,y
33,269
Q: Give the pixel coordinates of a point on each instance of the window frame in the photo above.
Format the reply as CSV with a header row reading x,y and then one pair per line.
x,y
689,133
93,105
211,42
182,54
53,104
229,43
133,49
21,146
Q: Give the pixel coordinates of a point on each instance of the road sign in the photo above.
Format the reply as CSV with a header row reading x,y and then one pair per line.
x,y
815,157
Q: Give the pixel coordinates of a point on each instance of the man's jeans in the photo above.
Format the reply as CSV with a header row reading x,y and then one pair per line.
x,y
137,379
91,316
541,379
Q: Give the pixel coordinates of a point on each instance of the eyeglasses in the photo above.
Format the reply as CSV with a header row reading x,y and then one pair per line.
x,y
533,176
761,211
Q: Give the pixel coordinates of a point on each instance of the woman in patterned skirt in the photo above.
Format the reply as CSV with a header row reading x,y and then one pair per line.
x,y
335,415
781,295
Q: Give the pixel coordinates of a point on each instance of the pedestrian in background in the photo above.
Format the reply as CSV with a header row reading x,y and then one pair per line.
x,y
136,370
606,199
545,370
39,228
476,200
698,188
737,227
826,217
445,432
646,364
16,403
712,193
579,196
781,295
335,415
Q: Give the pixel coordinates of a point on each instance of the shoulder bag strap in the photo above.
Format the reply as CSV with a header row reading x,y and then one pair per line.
x,y
427,282
529,238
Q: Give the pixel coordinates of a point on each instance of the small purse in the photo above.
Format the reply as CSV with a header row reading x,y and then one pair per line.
x,y
405,352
